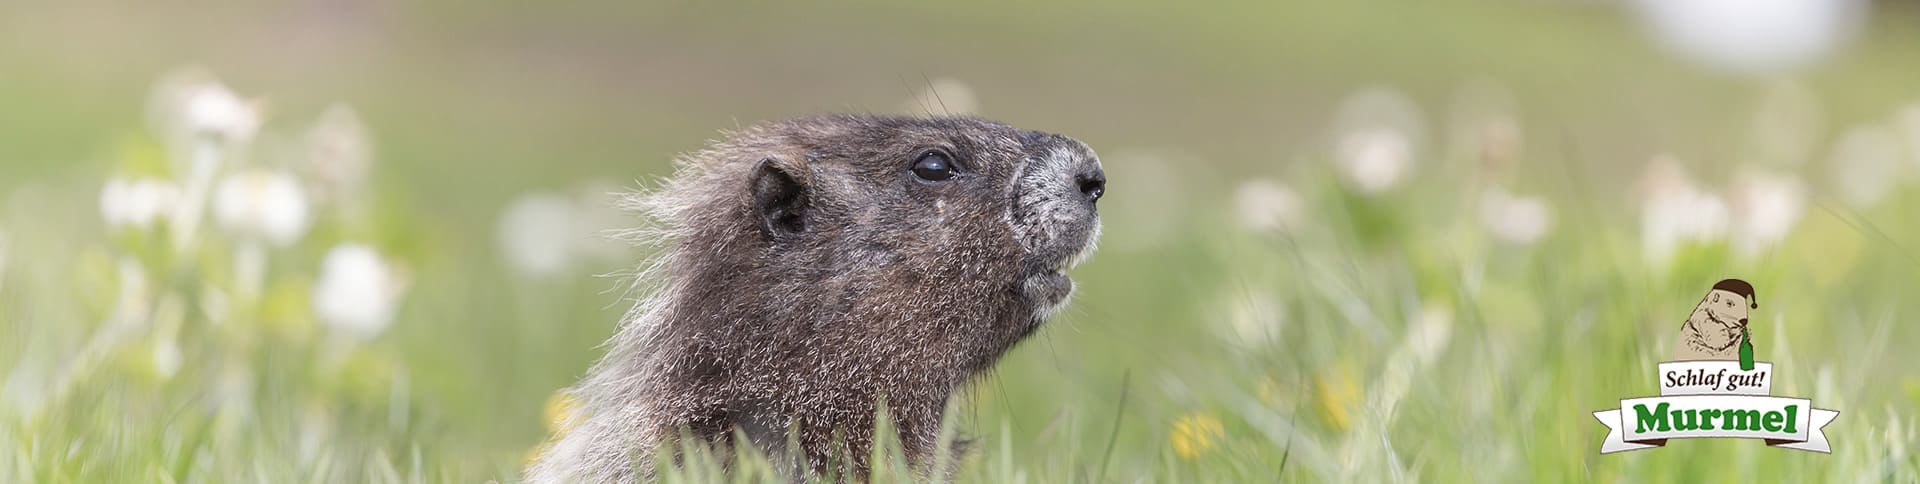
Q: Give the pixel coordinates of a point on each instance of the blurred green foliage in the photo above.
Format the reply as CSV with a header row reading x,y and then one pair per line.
x,y
1145,377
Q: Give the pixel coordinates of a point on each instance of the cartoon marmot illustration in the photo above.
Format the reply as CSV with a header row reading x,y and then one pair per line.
x,y
1717,329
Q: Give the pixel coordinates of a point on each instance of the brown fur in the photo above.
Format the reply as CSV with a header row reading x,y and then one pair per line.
x,y
806,273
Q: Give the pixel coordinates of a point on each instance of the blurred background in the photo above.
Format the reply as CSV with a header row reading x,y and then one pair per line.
x,y
1377,240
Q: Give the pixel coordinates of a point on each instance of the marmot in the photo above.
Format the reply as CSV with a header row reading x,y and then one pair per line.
x,y
1718,325
815,266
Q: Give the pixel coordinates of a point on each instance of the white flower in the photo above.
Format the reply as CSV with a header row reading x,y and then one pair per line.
x,y
1429,334
1377,132
943,96
268,206
598,217
537,234
543,234
1907,122
1256,318
1787,124
1515,220
167,357
1765,207
136,203
219,112
203,123
1483,126
1375,159
191,102
1753,36
1866,163
1675,212
339,152
1267,205
358,292
113,206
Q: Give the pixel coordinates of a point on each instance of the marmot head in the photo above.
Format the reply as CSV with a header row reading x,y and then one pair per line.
x,y
943,198
1728,303
1725,307
917,216
1715,327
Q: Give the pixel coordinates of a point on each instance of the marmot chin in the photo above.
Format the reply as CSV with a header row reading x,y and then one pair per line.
x,y
814,266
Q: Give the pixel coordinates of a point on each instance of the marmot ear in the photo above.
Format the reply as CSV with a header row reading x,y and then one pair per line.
x,y
779,200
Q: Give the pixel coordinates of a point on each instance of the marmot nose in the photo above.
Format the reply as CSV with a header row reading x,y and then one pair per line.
x,y
1093,184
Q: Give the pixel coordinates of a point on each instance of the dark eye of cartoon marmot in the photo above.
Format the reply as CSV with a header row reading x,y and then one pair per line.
x,y
933,166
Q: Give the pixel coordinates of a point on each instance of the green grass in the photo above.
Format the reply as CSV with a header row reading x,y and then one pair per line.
x,y
1537,338
1396,340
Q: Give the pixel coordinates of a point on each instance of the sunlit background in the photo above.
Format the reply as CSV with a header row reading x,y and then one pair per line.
x,y
1419,240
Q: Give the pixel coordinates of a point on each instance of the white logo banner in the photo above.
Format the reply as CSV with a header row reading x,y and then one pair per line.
x,y
1785,422
1714,377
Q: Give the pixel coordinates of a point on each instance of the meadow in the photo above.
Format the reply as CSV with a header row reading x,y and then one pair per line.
x,y
361,242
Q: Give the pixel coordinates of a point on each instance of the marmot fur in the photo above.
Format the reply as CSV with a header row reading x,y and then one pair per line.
x,y
812,267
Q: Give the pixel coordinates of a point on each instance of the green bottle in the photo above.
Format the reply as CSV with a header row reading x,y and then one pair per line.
x,y
1746,351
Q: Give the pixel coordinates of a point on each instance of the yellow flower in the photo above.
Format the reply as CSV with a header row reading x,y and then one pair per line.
x,y
1337,391
533,454
1194,434
1272,392
559,411
559,414
1913,389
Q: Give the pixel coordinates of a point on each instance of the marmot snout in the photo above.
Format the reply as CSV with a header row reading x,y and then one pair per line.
x,y
815,266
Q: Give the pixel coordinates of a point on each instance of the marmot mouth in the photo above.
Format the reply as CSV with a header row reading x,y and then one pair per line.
x,y
1047,287
1046,284
1047,290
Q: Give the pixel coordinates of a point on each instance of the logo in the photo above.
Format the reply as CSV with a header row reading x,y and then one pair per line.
x,y
1715,389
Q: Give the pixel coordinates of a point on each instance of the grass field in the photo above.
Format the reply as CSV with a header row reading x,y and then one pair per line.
x,y
1344,242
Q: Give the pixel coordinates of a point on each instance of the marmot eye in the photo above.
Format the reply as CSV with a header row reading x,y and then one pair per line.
x,y
933,166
